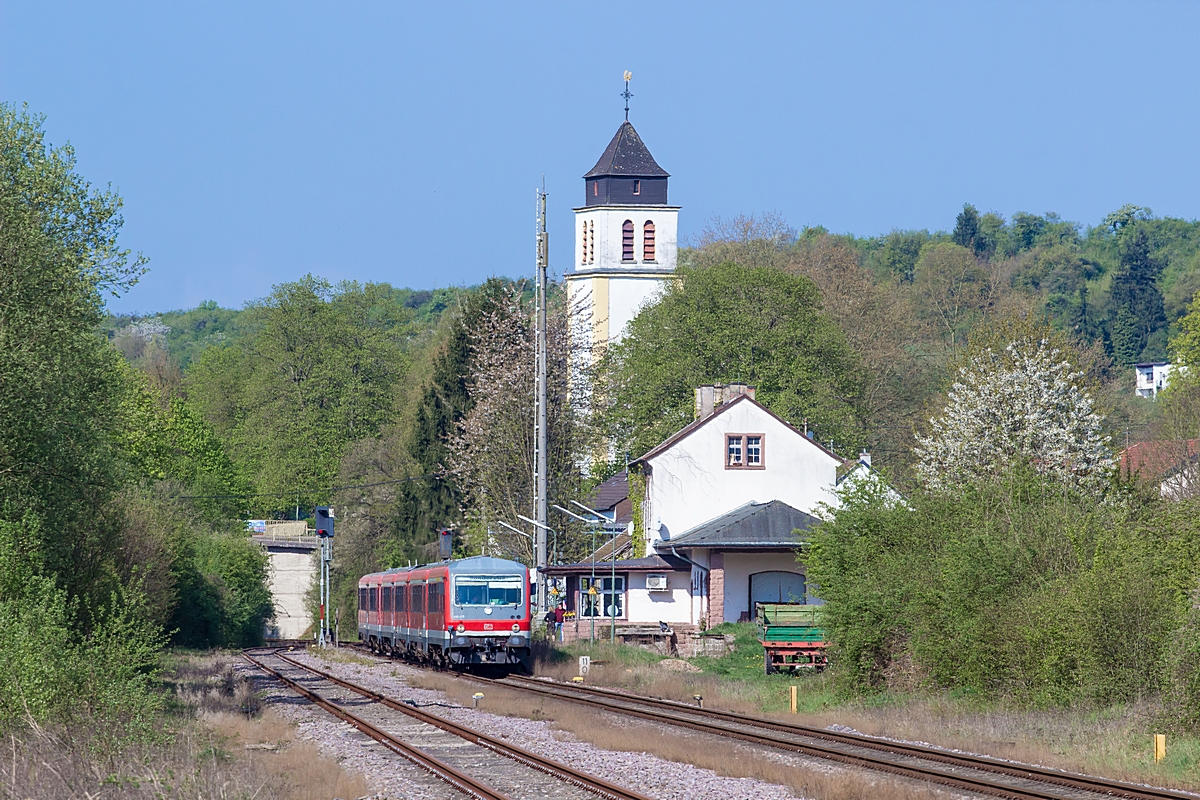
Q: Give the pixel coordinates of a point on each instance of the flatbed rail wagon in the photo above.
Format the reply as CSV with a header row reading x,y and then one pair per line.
x,y
791,636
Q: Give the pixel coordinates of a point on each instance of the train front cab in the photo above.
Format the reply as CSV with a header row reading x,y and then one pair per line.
x,y
488,622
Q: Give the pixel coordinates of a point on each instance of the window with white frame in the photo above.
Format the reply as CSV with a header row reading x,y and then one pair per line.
x,y
608,599
745,451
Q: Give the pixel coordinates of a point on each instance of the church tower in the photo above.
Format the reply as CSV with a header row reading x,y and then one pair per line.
x,y
626,242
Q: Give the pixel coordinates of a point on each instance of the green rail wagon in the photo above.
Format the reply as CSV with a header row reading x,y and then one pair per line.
x,y
791,636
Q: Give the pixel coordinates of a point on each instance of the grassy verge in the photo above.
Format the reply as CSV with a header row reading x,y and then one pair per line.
x,y
215,740
1112,741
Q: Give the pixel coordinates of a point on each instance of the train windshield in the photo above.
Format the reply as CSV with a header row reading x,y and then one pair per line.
x,y
487,590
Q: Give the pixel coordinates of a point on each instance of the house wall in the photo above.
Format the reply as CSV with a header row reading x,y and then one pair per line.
x,y
689,484
673,605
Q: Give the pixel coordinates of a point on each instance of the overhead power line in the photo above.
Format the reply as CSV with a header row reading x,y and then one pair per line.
x,y
295,492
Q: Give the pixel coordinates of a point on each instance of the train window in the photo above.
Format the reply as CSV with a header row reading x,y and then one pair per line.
x,y
487,590
401,597
387,598
371,597
362,598
417,599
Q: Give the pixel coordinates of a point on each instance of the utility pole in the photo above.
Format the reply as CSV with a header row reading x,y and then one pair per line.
x,y
539,461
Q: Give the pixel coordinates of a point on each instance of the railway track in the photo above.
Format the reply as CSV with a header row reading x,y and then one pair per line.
x,y
976,774
965,772
524,760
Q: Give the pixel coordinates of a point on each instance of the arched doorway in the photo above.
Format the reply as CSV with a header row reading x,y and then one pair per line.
x,y
775,587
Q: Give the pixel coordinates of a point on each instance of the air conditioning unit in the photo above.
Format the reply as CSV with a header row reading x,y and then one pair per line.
x,y
656,583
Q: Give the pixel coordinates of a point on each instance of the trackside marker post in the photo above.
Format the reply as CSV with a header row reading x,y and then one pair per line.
x,y
1160,747
792,693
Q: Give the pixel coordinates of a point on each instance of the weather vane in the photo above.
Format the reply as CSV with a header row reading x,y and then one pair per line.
x,y
627,94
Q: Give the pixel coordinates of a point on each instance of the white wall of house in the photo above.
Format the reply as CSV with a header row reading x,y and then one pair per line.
x,y
1152,378
689,484
650,607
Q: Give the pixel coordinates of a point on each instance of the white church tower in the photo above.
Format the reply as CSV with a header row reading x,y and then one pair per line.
x,y
626,242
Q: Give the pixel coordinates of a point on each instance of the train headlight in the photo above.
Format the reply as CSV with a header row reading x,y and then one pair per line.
x,y
461,641
517,641
461,628
516,627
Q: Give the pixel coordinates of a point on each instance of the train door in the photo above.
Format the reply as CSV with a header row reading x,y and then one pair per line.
x,y
386,616
401,607
416,612
435,617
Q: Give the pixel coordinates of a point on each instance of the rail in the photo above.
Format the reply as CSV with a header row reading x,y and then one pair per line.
x,y
719,722
459,780
528,758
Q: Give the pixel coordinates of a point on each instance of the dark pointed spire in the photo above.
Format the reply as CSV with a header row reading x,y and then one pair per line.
x,y
626,156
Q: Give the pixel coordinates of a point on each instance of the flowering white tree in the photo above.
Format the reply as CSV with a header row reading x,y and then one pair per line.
x,y
1025,403
491,452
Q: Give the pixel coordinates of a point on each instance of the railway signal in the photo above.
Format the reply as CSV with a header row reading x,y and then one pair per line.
x,y
324,526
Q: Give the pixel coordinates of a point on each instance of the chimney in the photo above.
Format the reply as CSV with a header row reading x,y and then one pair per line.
x,y
710,398
865,458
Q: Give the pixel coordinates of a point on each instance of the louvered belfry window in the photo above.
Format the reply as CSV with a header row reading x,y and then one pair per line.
x,y
584,258
648,241
627,241
591,253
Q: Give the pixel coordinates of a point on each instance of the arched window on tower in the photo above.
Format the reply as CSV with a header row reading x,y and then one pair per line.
x,y
583,258
627,240
648,241
591,254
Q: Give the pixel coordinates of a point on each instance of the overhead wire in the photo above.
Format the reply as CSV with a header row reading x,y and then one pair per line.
x,y
296,492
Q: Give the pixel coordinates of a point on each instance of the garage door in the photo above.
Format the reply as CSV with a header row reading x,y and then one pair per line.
x,y
776,587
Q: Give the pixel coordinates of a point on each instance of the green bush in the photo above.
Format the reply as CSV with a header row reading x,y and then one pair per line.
x,y
50,669
1018,588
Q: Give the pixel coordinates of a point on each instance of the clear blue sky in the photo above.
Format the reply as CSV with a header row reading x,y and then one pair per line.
x,y
256,142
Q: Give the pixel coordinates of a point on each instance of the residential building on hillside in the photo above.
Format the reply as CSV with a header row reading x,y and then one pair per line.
x,y
1151,378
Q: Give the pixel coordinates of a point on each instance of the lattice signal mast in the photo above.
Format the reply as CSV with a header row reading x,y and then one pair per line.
x,y
540,510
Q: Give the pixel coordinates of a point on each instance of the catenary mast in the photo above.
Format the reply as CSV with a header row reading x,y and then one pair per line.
x,y
539,461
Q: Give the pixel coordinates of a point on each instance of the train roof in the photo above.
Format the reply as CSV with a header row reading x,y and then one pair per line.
x,y
476,564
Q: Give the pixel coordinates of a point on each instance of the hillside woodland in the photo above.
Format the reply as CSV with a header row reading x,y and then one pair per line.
x,y
136,446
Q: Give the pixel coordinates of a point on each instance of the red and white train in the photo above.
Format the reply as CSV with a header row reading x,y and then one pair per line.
x,y
463,614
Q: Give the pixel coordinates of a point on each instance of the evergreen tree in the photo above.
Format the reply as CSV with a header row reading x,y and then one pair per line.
x,y
424,506
966,228
1126,344
1135,291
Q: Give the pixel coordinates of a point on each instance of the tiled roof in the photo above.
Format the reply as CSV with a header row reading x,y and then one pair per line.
x,y
607,495
772,524
627,156
655,563
1156,459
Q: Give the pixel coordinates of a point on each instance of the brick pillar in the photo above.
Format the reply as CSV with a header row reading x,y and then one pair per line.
x,y
716,589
